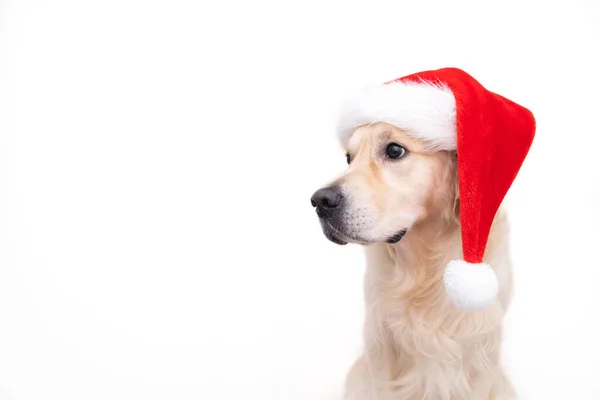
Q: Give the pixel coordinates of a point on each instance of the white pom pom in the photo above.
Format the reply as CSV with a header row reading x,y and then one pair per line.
x,y
470,286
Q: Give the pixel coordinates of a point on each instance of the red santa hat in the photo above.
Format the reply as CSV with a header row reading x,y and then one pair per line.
x,y
450,110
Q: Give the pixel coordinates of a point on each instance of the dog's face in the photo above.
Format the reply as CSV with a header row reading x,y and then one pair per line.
x,y
393,181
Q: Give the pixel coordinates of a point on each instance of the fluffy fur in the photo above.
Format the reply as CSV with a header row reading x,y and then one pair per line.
x,y
417,344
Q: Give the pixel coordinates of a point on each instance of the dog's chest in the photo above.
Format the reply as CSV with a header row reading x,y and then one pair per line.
x,y
430,353
415,334
427,363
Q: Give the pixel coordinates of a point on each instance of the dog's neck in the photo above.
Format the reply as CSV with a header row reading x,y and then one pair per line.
x,y
414,336
427,247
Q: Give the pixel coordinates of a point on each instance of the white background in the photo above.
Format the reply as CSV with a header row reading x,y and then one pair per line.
x,y
156,165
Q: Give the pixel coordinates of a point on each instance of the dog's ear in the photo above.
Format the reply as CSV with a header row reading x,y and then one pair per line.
x,y
444,193
456,199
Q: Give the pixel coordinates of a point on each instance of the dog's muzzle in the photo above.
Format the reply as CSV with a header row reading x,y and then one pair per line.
x,y
329,203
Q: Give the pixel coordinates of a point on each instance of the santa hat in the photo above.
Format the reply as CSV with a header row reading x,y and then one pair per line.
x,y
450,110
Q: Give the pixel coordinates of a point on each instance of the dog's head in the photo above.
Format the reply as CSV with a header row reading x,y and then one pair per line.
x,y
393,182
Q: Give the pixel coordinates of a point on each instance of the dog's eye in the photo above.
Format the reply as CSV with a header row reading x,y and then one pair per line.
x,y
348,159
395,151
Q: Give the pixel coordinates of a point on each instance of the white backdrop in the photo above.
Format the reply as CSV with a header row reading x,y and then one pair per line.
x,y
156,164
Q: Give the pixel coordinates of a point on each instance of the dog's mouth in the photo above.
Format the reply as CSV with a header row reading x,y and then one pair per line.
x,y
337,236
334,234
397,237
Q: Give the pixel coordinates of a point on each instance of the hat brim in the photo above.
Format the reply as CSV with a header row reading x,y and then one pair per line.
x,y
425,110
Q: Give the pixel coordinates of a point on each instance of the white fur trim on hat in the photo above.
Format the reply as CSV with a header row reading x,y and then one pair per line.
x,y
470,286
425,110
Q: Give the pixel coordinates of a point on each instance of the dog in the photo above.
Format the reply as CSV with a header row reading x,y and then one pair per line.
x,y
399,199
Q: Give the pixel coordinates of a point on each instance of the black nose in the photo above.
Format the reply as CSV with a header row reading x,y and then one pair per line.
x,y
326,198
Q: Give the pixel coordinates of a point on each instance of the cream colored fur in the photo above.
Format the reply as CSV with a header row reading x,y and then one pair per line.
x,y
417,345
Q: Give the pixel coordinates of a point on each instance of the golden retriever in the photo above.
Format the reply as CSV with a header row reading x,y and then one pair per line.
x,y
399,199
